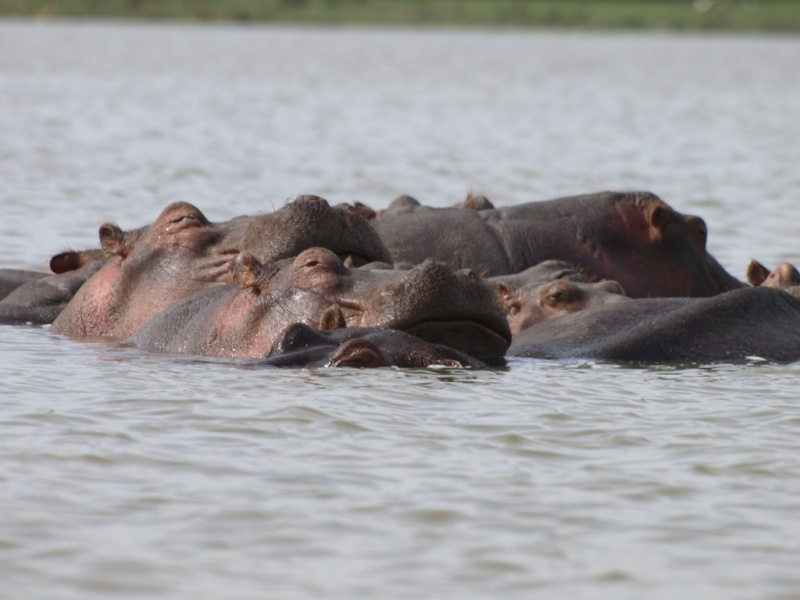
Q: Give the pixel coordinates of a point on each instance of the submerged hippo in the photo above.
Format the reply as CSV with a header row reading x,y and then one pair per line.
x,y
731,327
11,279
531,304
361,347
784,276
183,252
41,299
430,301
634,238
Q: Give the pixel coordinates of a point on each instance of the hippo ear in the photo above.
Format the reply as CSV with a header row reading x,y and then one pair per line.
x,y
365,211
358,353
505,294
332,318
112,238
66,262
248,272
73,260
472,202
659,216
756,273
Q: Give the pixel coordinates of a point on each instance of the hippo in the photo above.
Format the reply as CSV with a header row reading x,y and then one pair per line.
x,y
11,279
734,326
527,305
182,252
633,238
360,347
784,276
543,272
41,299
245,320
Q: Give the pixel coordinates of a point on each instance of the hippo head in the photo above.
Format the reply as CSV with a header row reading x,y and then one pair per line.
x,y
527,305
651,249
302,346
152,268
784,276
148,270
430,301
310,221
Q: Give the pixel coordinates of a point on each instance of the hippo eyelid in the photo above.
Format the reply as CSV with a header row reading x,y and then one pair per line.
x,y
182,219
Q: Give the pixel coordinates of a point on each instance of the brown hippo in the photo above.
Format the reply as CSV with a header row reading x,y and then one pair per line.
x,y
183,252
784,276
731,327
527,305
633,238
430,301
41,299
360,347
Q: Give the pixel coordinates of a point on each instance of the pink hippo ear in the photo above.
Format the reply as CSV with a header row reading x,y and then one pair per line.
x,y
245,270
506,294
112,238
249,272
756,272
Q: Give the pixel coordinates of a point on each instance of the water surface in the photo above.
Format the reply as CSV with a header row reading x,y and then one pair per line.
x,y
126,474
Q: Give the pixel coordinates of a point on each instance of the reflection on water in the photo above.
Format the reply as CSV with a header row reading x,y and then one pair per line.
x,y
164,476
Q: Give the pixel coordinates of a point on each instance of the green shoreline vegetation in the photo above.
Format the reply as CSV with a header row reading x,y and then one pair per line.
x,y
726,15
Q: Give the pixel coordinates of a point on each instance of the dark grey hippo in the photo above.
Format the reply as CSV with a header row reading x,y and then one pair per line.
x,y
731,327
361,347
633,238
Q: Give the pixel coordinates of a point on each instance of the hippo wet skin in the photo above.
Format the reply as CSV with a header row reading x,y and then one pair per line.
x,y
39,300
430,301
182,252
731,327
530,304
360,347
633,238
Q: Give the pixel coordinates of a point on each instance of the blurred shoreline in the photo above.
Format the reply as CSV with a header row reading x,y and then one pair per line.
x,y
677,15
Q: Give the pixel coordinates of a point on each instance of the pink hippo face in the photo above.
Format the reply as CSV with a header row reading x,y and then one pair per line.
x,y
182,252
430,301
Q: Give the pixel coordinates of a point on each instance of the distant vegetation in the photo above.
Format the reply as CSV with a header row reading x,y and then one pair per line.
x,y
741,15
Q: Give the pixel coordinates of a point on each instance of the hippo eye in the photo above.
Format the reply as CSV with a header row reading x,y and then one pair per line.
x,y
183,219
311,263
557,298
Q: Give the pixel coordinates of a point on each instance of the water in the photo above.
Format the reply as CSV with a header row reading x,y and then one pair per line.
x,y
126,474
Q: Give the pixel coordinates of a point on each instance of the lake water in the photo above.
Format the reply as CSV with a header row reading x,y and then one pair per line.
x,y
125,474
